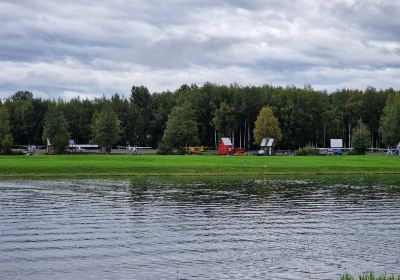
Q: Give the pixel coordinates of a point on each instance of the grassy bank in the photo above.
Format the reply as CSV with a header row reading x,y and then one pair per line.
x,y
126,165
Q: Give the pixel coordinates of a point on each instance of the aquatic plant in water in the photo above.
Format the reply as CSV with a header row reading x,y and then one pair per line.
x,y
370,276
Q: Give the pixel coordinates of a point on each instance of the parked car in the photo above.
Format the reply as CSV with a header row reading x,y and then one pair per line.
x,y
261,153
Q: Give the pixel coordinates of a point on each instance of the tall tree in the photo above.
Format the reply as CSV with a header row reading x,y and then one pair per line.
x,y
162,106
353,111
224,120
332,124
266,125
85,119
181,129
360,138
373,103
22,95
120,105
247,102
141,99
73,111
390,121
56,129
106,129
19,105
26,117
5,135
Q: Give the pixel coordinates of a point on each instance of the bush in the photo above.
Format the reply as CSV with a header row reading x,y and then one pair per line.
x,y
180,151
352,153
164,149
13,153
307,151
5,145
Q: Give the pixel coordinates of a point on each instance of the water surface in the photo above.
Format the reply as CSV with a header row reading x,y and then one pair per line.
x,y
196,228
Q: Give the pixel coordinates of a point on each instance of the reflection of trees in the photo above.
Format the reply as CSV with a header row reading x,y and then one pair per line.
x,y
284,191
137,190
200,191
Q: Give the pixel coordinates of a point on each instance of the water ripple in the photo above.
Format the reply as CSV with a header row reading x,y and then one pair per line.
x,y
160,229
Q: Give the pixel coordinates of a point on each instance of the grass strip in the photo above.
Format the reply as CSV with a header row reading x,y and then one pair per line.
x,y
155,165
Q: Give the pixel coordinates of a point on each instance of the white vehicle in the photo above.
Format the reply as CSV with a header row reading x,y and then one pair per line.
x,y
261,152
74,149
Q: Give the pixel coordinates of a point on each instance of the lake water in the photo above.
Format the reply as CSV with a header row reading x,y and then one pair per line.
x,y
198,228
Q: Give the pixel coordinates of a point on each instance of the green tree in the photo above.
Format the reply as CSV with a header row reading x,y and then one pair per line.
x,y
121,105
106,129
162,106
360,138
141,99
353,109
5,135
85,119
19,105
181,129
390,121
332,124
372,108
26,117
22,95
224,120
266,125
247,102
56,129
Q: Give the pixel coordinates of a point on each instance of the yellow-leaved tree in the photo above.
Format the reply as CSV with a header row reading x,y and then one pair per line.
x,y
266,126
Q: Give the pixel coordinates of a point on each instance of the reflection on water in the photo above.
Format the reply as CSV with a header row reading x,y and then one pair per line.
x,y
205,229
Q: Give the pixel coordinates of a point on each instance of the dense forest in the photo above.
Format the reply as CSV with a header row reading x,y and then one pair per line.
x,y
306,116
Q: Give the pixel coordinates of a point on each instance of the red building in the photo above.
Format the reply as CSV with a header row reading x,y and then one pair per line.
x,y
225,147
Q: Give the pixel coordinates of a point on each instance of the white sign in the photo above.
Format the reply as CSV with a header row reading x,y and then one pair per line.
x,y
336,143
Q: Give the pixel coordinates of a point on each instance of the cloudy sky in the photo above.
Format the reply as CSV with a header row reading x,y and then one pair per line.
x,y
89,48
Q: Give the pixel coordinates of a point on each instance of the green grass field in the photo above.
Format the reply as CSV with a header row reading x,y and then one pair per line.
x,y
154,165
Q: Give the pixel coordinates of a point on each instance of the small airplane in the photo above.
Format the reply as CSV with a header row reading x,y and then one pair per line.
x,y
29,149
133,149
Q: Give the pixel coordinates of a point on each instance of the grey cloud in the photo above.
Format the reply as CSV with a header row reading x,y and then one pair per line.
x,y
378,19
78,47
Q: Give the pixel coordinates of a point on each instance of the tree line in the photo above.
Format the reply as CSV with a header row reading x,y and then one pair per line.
x,y
194,115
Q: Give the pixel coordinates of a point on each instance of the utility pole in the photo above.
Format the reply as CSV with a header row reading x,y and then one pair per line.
x,y
240,137
349,135
215,139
